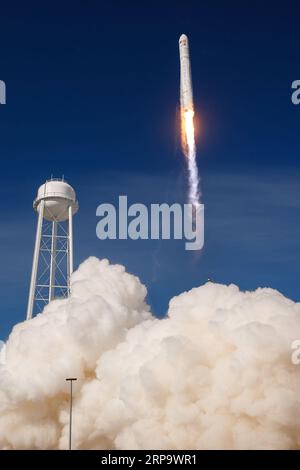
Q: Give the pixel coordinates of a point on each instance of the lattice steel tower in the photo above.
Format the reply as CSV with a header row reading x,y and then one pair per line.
x,y
53,252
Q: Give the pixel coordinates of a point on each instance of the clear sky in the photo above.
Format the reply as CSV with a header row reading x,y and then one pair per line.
x,y
92,93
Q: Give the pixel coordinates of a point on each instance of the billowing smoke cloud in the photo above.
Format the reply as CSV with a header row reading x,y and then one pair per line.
x,y
2,352
216,373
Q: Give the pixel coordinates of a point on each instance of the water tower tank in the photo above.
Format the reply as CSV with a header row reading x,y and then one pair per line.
x,y
52,263
58,196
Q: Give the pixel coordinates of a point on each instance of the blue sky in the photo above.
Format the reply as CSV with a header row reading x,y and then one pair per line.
x,y
92,93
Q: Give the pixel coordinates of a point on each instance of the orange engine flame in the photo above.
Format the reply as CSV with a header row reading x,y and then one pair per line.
x,y
189,128
187,131
189,150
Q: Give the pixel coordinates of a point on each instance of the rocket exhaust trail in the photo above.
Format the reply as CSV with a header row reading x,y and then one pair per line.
x,y
187,121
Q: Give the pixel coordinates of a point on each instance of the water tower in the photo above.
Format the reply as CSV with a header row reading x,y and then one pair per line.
x,y
53,252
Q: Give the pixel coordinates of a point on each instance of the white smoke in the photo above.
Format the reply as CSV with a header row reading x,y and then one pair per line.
x,y
215,373
193,177
2,352
189,150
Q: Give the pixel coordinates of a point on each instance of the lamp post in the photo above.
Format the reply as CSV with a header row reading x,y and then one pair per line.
x,y
71,379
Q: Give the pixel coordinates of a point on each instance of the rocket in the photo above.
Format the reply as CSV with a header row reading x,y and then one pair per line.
x,y
186,91
187,121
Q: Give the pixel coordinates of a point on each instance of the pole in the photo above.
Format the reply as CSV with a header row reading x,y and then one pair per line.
x,y
71,405
35,261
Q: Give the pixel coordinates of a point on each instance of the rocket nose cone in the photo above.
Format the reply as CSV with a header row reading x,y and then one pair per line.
x,y
183,38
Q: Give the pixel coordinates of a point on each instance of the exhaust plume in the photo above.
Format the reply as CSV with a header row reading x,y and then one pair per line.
x,y
189,149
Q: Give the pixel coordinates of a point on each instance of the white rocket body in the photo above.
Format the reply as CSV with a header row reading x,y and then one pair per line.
x,y
186,91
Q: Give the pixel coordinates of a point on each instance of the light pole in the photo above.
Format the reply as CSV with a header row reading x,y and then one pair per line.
x,y
71,379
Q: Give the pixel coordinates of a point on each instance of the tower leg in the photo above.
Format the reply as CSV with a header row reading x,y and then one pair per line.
x,y
35,261
53,261
70,247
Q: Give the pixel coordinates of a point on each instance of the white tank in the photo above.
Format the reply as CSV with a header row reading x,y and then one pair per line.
x,y
58,196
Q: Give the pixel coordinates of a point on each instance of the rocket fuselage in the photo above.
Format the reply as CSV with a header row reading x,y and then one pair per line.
x,y
186,90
